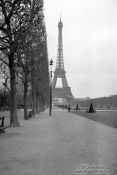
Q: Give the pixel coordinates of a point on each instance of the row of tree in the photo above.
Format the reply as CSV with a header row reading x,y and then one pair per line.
x,y
100,103
23,53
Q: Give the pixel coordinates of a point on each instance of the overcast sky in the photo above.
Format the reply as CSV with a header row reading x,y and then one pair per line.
x,y
89,44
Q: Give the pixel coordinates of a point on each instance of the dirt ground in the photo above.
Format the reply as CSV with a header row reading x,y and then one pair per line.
x,y
63,144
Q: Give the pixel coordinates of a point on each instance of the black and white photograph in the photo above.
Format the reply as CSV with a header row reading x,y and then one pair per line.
x,y
58,87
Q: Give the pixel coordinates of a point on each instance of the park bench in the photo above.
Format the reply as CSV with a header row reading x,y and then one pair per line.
x,y
2,127
30,114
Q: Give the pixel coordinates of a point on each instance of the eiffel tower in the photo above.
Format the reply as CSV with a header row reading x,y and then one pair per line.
x,y
62,94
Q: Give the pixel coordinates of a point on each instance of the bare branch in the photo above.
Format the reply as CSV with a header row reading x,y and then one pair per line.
x,y
4,29
3,9
5,62
13,6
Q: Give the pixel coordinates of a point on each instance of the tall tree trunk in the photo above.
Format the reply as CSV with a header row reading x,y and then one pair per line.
x,y
13,113
37,98
37,105
26,117
42,106
33,95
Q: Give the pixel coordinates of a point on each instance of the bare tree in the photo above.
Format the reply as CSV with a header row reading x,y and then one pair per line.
x,y
32,60
16,20
42,83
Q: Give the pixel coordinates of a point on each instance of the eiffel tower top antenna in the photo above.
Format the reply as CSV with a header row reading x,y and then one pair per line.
x,y
60,62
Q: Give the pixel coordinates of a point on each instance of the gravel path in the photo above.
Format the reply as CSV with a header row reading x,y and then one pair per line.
x,y
63,144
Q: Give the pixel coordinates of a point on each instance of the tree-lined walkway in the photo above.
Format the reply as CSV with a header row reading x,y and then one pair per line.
x,y
57,145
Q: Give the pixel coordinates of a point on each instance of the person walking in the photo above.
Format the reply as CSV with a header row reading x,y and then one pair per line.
x,y
69,108
77,107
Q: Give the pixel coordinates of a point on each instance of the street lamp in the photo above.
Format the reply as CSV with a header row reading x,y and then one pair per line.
x,y
51,63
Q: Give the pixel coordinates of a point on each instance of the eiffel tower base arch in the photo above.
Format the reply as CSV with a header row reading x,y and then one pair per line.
x,y
62,96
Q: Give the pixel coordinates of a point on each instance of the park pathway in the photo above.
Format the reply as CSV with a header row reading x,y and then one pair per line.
x,y
63,144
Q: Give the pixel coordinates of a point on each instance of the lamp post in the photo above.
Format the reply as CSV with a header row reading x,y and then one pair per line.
x,y
51,63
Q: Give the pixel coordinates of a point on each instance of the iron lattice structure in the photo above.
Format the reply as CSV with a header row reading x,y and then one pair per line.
x,y
64,92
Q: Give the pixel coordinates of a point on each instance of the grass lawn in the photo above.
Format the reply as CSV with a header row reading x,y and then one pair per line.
x,y
106,117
